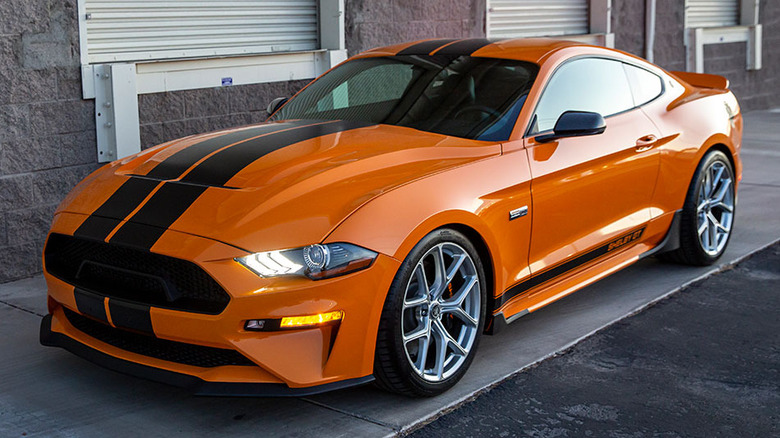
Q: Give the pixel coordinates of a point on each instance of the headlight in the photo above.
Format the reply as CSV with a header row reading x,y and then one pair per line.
x,y
314,261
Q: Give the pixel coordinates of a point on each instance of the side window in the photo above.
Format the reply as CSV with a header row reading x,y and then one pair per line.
x,y
645,85
592,84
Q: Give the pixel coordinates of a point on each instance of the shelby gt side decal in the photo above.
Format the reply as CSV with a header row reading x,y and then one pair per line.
x,y
565,267
624,240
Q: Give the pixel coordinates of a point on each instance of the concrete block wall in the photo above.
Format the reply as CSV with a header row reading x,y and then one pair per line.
x,y
374,23
168,116
669,34
628,25
758,89
47,132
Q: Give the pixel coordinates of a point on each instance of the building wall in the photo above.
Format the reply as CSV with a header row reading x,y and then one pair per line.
x,y
755,89
375,23
628,25
47,131
669,35
171,115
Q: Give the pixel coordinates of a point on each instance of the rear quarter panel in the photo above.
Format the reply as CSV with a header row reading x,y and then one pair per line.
x,y
691,121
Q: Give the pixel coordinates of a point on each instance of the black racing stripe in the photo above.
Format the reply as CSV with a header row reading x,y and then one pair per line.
x,y
131,316
137,235
130,194
175,165
90,304
563,268
218,169
146,226
96,227
464,47
124,200
425,47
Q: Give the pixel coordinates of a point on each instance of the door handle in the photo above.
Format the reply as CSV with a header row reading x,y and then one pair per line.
x,y
646,142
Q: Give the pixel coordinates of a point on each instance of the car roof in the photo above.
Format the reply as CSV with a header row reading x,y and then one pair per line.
x,y
524,49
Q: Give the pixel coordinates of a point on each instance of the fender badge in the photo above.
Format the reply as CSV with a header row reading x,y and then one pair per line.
x,y
518,212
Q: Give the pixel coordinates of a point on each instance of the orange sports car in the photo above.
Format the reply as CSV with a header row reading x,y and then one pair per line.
x,y
382,220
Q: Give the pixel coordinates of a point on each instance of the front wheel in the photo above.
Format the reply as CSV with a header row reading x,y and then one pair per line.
x,y
433,317
708,214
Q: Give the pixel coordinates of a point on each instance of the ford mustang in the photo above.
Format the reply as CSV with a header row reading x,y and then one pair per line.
x,y
399,207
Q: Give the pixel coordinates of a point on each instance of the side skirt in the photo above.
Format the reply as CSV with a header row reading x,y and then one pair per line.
x,y
499,321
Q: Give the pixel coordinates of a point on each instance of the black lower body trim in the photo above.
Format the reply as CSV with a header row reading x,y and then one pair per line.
x,y
91,304
192,383
131,316
558,270
671,240
500,322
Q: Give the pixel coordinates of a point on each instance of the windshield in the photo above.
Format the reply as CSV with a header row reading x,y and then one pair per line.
x,y
469,97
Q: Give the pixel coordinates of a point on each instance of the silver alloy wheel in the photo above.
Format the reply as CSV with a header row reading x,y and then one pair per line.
x,y
715,208
441,312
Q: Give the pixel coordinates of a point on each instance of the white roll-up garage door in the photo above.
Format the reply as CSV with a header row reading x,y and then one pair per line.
x,y
711,13
148,30
526,18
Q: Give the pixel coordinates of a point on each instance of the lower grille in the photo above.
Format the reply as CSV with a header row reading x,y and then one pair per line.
x,y
133,275
171,351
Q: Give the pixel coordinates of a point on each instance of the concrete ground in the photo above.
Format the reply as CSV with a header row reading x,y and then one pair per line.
x,y
49,392
703,363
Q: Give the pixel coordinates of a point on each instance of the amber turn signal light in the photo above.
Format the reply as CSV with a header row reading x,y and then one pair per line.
x,y
293,322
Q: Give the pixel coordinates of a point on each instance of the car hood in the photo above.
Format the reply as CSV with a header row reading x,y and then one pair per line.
x,y
271,186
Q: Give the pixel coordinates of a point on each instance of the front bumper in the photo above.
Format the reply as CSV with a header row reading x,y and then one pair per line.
x,y
286,362
196,385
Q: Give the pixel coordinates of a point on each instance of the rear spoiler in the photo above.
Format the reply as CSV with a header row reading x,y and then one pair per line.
x,y
703,80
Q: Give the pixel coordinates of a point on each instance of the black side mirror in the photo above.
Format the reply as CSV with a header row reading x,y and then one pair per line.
x,y
276,104
575,124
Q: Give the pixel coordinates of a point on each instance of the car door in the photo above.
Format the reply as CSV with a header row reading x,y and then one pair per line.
x,y
589,191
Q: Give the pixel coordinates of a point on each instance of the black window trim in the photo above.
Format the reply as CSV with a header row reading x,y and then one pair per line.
x,y
531,122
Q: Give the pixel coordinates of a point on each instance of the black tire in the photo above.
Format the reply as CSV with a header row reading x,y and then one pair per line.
x,y
691,250
392,368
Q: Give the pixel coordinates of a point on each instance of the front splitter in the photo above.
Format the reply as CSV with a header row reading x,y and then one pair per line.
x,y
194,384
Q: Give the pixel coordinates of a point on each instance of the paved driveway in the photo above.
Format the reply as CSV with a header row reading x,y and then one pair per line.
x,y
704,363
50,392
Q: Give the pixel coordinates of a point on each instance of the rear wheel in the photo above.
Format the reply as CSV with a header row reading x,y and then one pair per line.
x,y
433,317
708,214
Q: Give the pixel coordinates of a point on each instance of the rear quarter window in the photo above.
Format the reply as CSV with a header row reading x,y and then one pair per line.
x,y
645,85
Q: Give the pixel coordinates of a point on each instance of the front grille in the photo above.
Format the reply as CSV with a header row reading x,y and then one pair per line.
x,y
171,351
133,275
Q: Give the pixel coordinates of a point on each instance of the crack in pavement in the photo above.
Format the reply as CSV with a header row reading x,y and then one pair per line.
x,y
759,184
32,312
352,414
